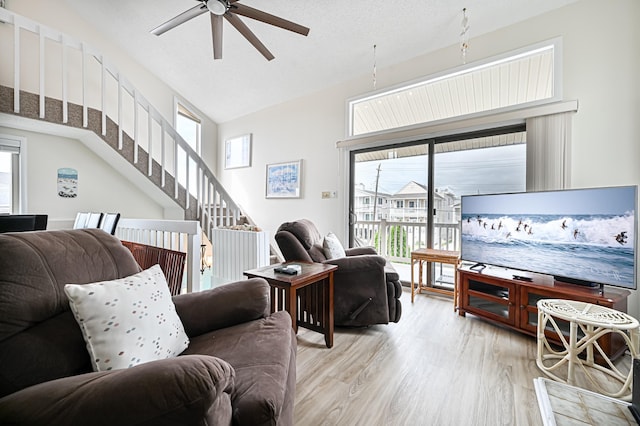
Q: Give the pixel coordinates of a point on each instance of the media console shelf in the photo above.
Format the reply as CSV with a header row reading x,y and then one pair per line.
x,y
495,294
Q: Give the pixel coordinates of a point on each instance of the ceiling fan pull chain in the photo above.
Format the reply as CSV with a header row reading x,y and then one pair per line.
x,y
464,36
374,67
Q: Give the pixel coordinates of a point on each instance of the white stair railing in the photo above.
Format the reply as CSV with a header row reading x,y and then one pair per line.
x,y
102,87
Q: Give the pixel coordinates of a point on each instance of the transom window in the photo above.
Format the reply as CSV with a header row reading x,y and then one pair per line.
x,y
525,77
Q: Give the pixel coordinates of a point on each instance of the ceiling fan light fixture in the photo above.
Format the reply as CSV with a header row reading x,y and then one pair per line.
x,y
218,7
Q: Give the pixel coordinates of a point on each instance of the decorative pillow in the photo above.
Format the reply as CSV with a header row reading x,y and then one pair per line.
x,y
128,321
332,247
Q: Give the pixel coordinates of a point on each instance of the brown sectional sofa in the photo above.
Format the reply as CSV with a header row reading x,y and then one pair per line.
x,y
239,367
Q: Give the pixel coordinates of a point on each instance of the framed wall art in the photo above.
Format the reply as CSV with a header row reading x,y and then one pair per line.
x,y
237,152
67,182
283,179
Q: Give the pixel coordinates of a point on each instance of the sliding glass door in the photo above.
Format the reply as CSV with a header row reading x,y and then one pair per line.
x,y
404,197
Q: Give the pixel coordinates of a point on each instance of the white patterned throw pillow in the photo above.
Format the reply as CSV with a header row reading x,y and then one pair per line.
x,y
332,247
128,321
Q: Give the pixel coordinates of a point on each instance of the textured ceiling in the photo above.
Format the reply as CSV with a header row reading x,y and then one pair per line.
x,y
338,48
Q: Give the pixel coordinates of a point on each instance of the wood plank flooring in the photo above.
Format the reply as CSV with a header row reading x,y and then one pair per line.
x,y
432,368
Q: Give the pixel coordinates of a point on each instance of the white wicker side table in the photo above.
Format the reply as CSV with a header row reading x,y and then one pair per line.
x,y
592,322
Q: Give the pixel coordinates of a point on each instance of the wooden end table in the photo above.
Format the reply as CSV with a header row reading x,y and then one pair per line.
x,y
425,255
307,296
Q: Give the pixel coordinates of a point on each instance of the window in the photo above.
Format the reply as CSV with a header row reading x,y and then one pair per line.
x,y
187,125
527,76
10,189
425,180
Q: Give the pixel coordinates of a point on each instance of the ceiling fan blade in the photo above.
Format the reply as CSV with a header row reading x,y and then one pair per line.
x,y
180,19
267,18
216,35
249,35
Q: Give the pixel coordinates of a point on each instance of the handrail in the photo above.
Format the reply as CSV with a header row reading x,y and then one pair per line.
x,y
179,235
446,236
215,206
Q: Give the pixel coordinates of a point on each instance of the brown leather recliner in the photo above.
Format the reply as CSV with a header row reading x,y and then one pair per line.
x,y
367,287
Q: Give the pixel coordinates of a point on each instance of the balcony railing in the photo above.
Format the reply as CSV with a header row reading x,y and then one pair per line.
x,y
396,240
414,234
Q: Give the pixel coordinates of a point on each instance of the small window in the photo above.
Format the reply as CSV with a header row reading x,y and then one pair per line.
x,y
188,127
9,176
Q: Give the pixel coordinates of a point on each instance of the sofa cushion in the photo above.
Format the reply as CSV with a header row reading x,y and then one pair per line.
x,y
128,321
34,267
260,353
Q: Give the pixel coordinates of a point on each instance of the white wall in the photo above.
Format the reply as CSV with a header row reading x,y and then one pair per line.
x,y
100,187
601,66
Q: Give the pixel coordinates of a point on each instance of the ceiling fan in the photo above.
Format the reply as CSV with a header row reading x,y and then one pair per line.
x,y
230,9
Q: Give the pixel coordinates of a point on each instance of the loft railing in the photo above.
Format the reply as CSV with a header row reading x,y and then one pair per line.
x,y
179,235
55,65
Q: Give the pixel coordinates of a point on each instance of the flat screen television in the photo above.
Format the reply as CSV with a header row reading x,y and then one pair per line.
x,y
582,236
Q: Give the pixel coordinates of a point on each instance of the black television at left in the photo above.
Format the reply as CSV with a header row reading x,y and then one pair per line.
x,y
581,236
23,222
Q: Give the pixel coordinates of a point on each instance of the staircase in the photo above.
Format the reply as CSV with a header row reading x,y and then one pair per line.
x,y
105,103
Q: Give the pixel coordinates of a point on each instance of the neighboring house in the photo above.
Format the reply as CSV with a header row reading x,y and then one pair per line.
x,y
364,201
409,204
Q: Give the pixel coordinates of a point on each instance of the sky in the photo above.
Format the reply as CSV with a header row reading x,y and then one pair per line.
x,y
476,171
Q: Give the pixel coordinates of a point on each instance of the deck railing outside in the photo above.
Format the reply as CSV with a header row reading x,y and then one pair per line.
x,y
408,236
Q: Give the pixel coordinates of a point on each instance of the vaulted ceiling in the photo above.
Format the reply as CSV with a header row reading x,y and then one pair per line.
x,y
338,48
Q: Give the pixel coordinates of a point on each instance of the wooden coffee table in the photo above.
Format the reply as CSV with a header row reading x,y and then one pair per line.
x,y
307,296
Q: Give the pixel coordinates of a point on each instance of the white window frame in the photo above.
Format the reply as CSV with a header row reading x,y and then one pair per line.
x,y
177,103
11,142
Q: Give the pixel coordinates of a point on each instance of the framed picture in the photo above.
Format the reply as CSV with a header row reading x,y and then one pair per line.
x,y
283,179
237,152
67,182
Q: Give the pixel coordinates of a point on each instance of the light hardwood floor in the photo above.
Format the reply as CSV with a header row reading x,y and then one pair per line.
x,y
432,368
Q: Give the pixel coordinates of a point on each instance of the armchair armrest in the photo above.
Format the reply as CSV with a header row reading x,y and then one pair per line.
x,y
223,306
361,290
358,264
357,251
185,390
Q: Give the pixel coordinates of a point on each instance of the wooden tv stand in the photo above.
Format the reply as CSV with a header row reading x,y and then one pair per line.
x,y
495,294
